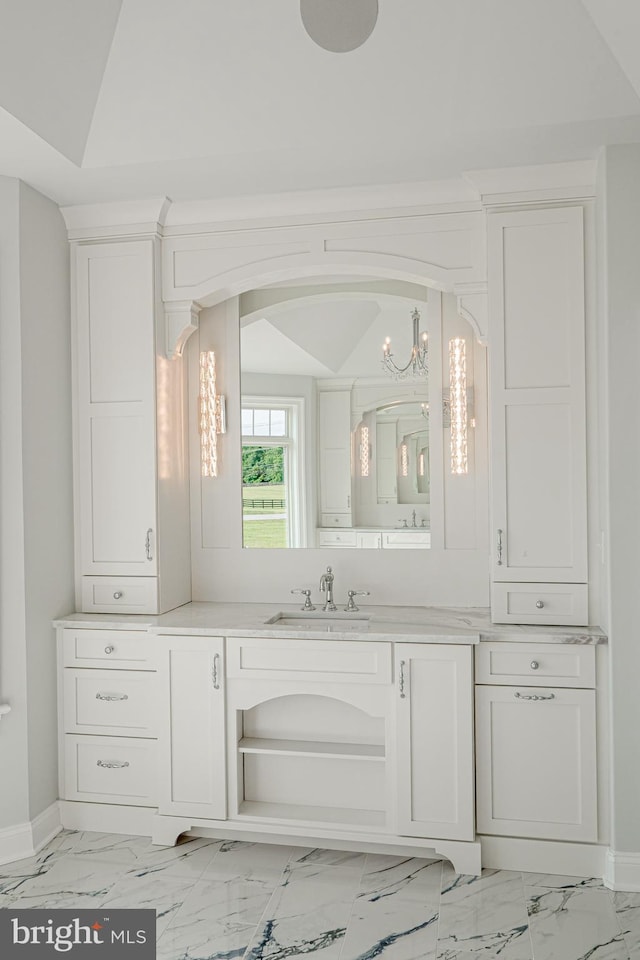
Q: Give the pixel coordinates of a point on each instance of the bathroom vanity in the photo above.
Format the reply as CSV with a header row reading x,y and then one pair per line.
x,y
251,721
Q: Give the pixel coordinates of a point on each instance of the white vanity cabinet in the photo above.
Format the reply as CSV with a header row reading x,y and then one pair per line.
x,y
537,413
536,741
192,727
434,740
131,482
108,717
307,739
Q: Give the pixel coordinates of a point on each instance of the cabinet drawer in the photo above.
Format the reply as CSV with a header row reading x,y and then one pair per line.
x,y
335,538
108,648
553,603
309,660
536,664
335,519
120,595
110,702
406,539
110,769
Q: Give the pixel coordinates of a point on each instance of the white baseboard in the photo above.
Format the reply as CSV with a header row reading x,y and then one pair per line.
x,y
544,856
25,839
622,871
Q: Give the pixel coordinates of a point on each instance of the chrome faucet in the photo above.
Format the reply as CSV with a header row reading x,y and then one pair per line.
x,y
326,584
413,519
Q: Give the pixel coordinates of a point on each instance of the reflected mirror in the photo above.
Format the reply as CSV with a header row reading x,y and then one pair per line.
x,y
335,450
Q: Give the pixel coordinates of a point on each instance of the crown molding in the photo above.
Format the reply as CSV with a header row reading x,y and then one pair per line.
x,y
122,218
546,182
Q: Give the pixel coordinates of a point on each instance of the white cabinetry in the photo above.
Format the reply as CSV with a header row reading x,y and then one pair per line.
x,y
536,742
334,433
434,740
108,717
538,433
192,732
307,740
130,457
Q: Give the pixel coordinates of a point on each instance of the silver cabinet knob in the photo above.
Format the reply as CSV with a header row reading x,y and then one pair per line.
x,y
534,664
109,649
117,594
539,604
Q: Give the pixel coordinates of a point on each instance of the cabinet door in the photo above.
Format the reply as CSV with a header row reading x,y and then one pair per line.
x,y
434,730
116,407
536,762
335,451
192,733
538,445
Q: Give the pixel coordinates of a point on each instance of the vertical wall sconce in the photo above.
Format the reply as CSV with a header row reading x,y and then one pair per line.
x,y
365,450
421,465
212,415
458,405
404,460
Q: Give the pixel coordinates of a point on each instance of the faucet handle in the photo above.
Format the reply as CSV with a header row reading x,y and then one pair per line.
x,y
351,607
307,599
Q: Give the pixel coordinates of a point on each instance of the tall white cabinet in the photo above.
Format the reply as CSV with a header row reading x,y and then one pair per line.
x,y
131,474
537,403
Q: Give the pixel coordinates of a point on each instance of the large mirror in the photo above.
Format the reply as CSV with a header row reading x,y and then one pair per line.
x,y
335,448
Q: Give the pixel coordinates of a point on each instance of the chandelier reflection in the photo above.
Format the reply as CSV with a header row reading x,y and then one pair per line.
x,y
417,363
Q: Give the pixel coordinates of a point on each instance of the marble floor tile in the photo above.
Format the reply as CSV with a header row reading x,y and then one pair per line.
x,y
203,944
307,914
483,916
329,858
395,915
217,919
249,860
187,859
387,876
106,847
32,866
164,894
627,907
573,919
71,882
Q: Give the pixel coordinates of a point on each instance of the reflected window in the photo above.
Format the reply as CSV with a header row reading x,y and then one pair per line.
x,y
271,467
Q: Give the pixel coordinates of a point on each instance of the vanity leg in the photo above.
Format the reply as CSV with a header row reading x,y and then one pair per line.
x,y
166,830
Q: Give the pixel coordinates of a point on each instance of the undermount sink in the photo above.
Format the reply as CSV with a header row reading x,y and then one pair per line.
x,y
319,620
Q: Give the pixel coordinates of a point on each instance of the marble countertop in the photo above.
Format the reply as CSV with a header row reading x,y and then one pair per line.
x,y
468,625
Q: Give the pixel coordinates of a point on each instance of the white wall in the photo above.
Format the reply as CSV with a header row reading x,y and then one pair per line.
x,y
36,559
620,216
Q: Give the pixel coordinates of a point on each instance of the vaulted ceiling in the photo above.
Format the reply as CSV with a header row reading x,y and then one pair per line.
x,y
116,99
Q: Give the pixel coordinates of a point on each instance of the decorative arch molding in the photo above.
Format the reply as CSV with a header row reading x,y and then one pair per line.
x,y
473,307
442,251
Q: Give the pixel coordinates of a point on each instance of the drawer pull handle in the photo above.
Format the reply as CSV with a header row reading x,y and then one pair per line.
x,y
112,696
402,681
109,649
533,696
215,675
534,664
118,595
147,544
113,764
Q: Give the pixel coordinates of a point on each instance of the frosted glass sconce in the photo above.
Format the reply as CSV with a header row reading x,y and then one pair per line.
x,y
212,415
365,451
458,407
404,460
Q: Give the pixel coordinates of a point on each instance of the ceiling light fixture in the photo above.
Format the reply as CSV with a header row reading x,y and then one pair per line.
x,y
339,25
417,365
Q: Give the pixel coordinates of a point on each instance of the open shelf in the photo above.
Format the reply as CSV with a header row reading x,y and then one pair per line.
x,y
312,748
286,812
